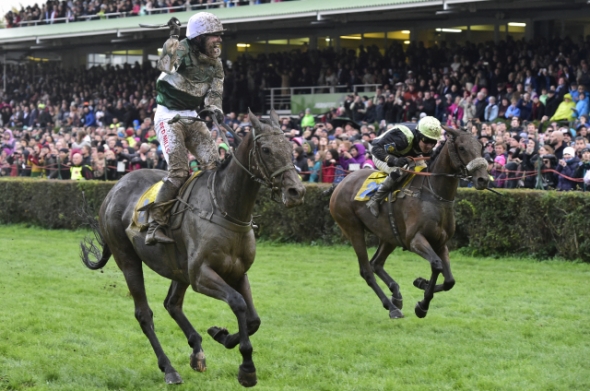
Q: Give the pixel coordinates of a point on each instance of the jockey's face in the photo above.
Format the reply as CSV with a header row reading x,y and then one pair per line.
x,y
426,147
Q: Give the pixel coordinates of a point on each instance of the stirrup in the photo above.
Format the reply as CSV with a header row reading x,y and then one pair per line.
x,y
155,235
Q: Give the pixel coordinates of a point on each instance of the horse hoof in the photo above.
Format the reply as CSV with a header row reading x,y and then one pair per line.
x,y
420,312
218,333
395,314
173,378
399,303
247,379
198,362
420,283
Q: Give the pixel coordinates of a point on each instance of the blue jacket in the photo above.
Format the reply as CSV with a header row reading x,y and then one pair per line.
x,y
525,109
512,112
582,107
570,171
89,119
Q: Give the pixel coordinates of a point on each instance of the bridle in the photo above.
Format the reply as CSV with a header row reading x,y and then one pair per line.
x,y
257,163
465,170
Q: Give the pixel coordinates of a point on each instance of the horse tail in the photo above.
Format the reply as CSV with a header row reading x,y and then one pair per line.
x,y
88,245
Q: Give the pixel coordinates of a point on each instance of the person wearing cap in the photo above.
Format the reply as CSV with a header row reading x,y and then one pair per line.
x,y
192,76
391,151
567,168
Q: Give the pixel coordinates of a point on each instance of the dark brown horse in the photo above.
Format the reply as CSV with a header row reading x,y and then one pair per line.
x,y
215,245
424,219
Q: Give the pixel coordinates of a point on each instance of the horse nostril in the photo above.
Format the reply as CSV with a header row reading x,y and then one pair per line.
x,y
293,192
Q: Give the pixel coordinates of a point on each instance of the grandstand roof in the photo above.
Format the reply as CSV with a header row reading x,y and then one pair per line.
x,y
258,13
292,19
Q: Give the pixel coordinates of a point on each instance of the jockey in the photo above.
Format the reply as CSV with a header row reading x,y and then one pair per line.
x,y
192,75
391,149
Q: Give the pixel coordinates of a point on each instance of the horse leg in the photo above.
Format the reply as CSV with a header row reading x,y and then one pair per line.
x,y
357,239
221,335
131,267
173,305
420,246
377,263
449,282
209,283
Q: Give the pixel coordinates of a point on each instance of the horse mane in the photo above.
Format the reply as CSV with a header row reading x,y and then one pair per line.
x,y
436,153
225,162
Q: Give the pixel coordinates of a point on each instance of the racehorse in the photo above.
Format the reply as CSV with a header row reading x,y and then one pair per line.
x,y
422,221
215,244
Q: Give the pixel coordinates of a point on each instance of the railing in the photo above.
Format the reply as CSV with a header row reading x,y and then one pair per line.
x,y
280,97
163,10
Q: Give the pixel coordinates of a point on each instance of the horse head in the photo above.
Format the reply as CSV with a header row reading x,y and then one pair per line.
x,y
271,160
466,156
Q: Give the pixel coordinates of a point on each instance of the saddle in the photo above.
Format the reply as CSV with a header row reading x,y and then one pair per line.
x,y
140,220
371,184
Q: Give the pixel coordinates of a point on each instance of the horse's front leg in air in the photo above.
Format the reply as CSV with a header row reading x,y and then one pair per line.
x,y
173,305
449,282
208,282
221,335
420,246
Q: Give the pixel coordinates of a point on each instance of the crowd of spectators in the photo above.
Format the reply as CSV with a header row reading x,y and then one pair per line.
x,y
524,100
55,11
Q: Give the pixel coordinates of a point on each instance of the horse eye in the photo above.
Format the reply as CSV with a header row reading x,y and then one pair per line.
x,y
462,149
265,150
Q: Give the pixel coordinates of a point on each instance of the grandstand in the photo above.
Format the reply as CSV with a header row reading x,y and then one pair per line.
x,y
301,24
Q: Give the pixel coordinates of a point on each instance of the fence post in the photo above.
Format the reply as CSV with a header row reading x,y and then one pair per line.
x,y
539,184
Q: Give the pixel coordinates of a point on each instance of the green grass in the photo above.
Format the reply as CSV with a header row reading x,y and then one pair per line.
x,y
508,324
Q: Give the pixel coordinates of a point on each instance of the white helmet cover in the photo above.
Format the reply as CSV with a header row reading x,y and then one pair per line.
x,y
203,23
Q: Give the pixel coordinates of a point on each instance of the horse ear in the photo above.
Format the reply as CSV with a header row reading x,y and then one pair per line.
x,y
254,120
274,117
453,132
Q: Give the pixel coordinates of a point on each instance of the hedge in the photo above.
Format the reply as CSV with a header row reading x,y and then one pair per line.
x,y
541,224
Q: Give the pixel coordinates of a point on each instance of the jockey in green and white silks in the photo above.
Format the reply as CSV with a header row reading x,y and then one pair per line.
x,y
391,149
192,76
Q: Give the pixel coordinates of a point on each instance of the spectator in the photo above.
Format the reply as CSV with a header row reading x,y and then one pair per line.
x,y
78,170
62,170
583,167
567,168
513,110
581,106
565,110
308,119
491,110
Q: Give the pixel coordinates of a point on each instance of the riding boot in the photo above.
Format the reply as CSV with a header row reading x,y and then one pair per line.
x,y
382,192
159,214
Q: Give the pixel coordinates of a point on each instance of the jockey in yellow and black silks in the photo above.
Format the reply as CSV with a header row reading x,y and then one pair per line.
x,y
391,151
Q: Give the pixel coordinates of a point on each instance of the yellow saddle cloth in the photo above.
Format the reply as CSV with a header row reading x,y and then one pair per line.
x,y
371,184
140,217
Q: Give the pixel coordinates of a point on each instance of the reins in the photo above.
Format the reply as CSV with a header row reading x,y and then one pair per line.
x,y
465,170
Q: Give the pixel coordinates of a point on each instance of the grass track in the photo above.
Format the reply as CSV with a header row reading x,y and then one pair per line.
x,y
508,324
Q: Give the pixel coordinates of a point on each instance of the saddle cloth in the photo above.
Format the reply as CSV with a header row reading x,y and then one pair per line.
x,y
371,184
140,217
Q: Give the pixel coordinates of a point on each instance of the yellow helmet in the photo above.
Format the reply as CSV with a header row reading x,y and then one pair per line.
x,y
429,127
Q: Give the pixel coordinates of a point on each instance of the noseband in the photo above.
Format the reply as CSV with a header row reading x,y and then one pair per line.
x,y
465,170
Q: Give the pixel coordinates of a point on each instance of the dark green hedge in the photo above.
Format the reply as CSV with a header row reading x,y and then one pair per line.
x,y
532,223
